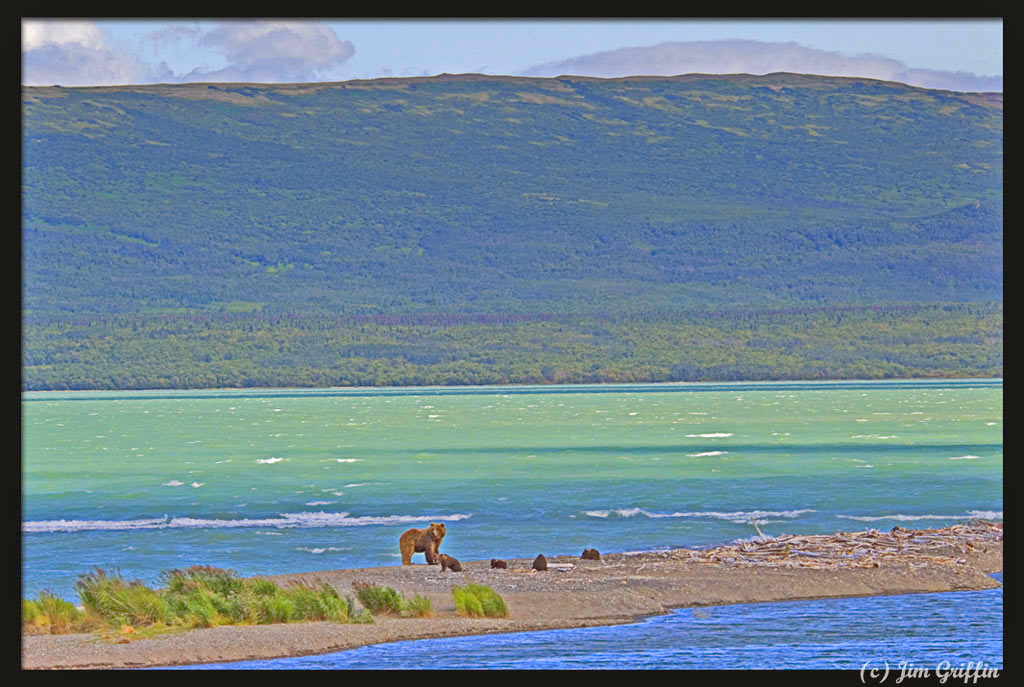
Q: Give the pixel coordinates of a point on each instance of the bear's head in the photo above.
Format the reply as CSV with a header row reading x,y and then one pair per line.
x,y
437,531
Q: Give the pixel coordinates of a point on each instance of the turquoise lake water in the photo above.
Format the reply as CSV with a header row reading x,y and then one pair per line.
x,y
276,481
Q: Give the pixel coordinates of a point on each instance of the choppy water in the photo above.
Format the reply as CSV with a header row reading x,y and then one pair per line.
x,y
277,481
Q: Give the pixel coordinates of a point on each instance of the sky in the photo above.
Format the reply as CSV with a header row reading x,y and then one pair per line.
x,y
951,54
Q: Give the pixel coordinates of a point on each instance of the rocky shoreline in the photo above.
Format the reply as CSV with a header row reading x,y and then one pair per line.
x,y
618,588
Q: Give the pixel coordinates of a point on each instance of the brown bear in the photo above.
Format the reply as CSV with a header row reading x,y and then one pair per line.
x,y
447,562
540,563
591,555
425,541
498,563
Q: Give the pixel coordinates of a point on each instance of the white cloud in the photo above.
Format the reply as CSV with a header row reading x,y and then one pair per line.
x,y
74,53
273,51
249,42
36,34
71,53
756,57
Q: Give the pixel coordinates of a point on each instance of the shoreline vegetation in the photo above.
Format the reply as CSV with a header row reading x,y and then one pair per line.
x,y
573,592
199,350
544,387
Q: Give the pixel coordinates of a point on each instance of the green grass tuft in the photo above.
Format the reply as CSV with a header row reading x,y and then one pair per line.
x,y
379,600
200,596
217,580
275,608
479,600
30,610
387,601
419,607
262,587
51,615
119,602
318,601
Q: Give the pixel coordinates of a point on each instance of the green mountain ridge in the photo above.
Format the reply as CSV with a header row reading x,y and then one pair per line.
x,y
625,200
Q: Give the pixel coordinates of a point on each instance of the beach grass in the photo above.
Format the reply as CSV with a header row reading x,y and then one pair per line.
x,y
386,601
479,600
419,606
200,596
52,615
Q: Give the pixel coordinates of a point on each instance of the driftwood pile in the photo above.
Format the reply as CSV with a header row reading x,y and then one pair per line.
x,y
868,549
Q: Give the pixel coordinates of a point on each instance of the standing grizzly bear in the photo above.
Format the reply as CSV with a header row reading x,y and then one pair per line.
x,y
425,541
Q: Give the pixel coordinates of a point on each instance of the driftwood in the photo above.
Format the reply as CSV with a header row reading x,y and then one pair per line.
x,y
868,549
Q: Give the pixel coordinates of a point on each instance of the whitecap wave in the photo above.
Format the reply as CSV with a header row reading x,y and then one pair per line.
x,y
743,516
269,460
706,453
286,520
711,435
80,525
986,514
965,458
903,517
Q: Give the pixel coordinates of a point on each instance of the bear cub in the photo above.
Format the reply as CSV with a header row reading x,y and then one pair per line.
x,y
447,562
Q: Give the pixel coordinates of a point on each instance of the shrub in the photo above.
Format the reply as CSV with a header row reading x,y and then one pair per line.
x,y
379,600
202,596
145,606
30,610
387,601
51,614
479,600
119,602
236,610
466,603
317,602
307,603
262,587
197,609
217,580
275,608
418,606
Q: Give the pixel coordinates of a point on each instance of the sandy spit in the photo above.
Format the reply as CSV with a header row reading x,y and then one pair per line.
x,y
619,588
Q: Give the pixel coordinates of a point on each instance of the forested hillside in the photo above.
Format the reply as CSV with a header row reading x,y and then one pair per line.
x,y
472,229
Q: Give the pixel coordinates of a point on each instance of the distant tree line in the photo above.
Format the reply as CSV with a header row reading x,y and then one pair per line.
x,y
207,350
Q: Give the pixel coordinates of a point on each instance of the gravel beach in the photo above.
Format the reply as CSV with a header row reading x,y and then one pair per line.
x,y
618,588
